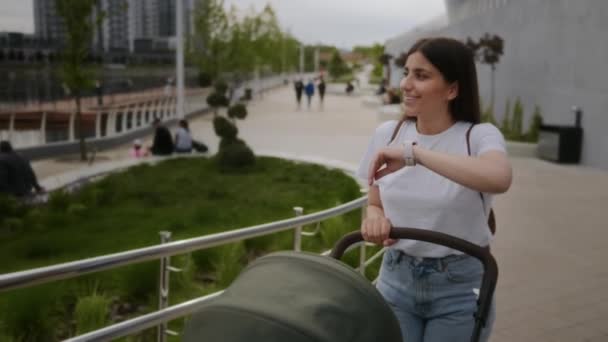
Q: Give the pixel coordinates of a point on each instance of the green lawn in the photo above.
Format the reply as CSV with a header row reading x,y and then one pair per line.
x,y
189,197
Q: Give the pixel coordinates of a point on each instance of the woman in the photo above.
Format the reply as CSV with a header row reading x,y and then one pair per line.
x,y
426,178
183,139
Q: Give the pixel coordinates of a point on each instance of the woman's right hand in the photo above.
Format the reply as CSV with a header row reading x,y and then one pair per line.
x,y
376,230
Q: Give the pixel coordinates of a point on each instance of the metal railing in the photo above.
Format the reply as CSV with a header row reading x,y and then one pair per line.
x,y
77,268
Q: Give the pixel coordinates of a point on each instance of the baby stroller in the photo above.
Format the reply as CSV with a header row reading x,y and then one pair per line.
x,y
303,297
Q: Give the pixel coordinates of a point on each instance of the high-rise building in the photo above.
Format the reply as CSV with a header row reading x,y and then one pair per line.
x,y
115,26
48,25
124,22
166,17
113,33
143,18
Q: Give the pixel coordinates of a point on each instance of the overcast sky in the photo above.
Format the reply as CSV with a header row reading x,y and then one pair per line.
x,y
343,23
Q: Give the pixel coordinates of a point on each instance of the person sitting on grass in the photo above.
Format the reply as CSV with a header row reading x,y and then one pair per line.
x,y
183,139
17,177
163,143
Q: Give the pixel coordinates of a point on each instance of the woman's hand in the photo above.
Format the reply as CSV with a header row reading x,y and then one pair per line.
x,y
376,230
391,157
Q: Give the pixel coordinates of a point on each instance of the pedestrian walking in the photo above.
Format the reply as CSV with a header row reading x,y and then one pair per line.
x,y
310,91
299,87
321,88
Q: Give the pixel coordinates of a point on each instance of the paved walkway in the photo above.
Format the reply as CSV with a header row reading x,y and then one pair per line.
x,y
552,240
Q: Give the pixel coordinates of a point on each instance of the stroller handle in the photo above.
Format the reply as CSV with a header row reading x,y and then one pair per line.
x,y
490,275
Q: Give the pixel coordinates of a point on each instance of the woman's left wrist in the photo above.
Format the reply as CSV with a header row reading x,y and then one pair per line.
x,y
408,153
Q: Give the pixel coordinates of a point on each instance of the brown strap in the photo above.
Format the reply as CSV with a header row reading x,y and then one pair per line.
x,y
491,218
399,123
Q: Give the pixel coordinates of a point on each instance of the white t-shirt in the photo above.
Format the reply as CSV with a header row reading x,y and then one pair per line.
x,y
184,139
416,197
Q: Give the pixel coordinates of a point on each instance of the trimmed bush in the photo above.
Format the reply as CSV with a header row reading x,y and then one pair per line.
x,y
235,156
224,128
220,87
226,142
238,111
216,100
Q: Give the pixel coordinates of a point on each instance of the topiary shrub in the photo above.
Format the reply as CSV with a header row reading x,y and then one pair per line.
x,y
226,142
235,156
238,111
224,128
233,153
216,100
220,87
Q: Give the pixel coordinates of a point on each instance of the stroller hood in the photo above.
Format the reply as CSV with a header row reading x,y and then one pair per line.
x,y
296,297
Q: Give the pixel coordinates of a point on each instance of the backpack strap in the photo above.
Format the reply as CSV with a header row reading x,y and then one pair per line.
x,y
397,127
491,218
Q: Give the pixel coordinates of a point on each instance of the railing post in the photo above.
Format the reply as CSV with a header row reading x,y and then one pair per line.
x,y
297,232
362,256
98,123
71,127
11,127
163,298
43,127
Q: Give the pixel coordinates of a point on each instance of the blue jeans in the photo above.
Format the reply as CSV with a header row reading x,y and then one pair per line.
x,y
433,298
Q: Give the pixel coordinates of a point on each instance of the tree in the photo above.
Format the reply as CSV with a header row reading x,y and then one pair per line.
x,y
337,67
218,98
79,26
487,50
211,32
234,46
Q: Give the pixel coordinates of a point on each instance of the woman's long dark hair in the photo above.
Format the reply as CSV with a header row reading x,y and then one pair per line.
x,y
456,63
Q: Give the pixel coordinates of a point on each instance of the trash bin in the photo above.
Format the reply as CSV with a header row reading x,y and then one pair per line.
x,y
561,144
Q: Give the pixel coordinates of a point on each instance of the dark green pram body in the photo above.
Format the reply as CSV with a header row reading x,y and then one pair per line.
x,y
296,297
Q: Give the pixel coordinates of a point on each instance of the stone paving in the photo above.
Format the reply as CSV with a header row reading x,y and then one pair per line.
x,y
551,244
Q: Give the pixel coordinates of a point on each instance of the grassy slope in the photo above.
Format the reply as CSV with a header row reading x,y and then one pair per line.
x,y
186,196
